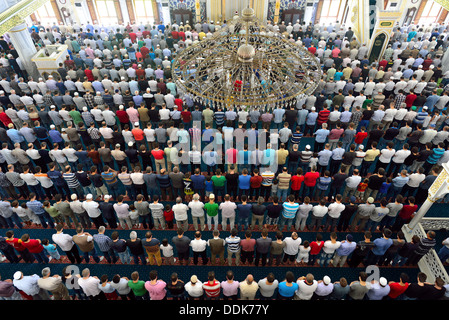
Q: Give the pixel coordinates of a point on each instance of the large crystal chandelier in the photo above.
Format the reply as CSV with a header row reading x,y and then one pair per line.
x,y
244,64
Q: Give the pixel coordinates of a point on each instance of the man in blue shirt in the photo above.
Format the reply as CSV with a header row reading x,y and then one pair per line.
x,y
198,181
324,158
346,248
311,121
320,137
38,208
381,246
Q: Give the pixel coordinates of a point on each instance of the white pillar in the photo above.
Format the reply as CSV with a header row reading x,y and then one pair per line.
x,y
23,43
445,61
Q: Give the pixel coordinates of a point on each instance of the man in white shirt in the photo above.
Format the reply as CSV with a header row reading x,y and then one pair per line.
x,y
197,211
228,212
291,248
65,242
90,285
180,212
334,211
199,248
306,287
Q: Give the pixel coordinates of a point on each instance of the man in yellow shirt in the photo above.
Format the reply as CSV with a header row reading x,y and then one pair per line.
x,y
281,156
370,157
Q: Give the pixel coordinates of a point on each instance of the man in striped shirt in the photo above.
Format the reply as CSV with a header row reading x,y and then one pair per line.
x,y
110,177
219,117
289,213
424,246
211,287
72,182
267,182
284,184
233,242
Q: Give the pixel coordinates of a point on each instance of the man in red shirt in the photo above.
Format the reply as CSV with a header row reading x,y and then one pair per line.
x,y
186,116
34,246
89,74
255,184
360,136
398,288
296,181
248,245
211,287
144,50
406,214
122,115
315,249
410,99
312,49
323,116
310,179
140,73
178,102
133,36
231,157
158,155
17,244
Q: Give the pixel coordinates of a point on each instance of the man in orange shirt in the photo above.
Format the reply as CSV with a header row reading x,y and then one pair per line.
x,y
138,135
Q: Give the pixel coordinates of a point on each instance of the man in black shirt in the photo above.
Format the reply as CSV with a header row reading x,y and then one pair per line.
x,y
182,244
347,214
293,158
108,212
135,246
348,158
374,135
291,116
361,250
416,291
434,292
337,182
374,184
232,182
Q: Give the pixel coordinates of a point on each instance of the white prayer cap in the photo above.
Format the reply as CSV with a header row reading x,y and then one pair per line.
x,y
89,196
383,282
121,107
326,280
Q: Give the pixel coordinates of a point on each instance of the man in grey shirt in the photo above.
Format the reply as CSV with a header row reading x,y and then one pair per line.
x,y
364,211
267,286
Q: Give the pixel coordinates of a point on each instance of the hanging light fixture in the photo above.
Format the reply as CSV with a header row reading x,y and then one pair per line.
x,y
244,65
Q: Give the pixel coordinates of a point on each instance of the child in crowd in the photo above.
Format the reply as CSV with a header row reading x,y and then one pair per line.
x,y
361,189
303,256
209,186
274,188
169,216
106,287
51,249
383,191
22,214
24,210
167,252
314,160
134,216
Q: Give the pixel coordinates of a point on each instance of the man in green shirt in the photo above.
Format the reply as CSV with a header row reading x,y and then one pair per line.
x,y
76,116
212,212
219,183
208,116
138,287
